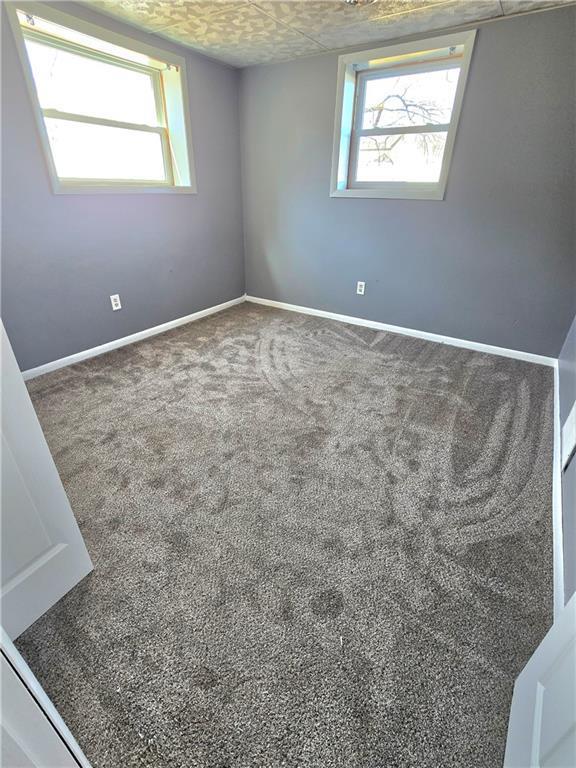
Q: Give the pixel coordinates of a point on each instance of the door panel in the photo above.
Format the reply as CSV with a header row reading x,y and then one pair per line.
x,y
542,727
43,551
569,527
32,733
28,738
26,527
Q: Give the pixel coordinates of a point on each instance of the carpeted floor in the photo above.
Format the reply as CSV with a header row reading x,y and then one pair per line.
x,y
315,545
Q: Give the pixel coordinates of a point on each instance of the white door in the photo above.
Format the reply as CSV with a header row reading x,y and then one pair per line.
x,y
542,727
43,552
32,733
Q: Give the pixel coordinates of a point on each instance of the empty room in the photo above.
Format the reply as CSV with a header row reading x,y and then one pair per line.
x,y
288,297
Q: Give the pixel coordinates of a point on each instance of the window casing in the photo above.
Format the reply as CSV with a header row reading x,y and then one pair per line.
x,y
112,113
400,147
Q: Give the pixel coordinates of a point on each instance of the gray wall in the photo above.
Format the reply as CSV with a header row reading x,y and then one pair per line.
x,y
494,262
167,255
567,384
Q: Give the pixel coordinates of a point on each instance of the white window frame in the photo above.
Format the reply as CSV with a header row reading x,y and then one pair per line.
x,y
354,70
171,98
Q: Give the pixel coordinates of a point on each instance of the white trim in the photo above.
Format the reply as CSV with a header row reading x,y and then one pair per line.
x,y
70,188
32,373
37,692
177,108
371,58
66,19
557,537
478,346
404,190
568,437
350,67
55,114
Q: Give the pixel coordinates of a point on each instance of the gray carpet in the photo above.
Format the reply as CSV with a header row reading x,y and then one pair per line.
x,y
315,545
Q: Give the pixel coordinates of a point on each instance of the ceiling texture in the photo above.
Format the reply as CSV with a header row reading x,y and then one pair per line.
x,y
245,32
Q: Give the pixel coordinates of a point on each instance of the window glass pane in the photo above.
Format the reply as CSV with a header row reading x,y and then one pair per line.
x,y
401,157
415,99
86,151
72,83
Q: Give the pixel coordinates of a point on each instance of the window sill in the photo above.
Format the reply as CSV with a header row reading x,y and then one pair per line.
x,y
423,192
81,189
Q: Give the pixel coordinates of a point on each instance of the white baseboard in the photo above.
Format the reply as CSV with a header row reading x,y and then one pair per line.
x,y
528,357
557,532
31,373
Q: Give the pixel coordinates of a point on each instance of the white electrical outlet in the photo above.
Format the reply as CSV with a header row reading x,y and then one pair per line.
x,y
115,301
360,287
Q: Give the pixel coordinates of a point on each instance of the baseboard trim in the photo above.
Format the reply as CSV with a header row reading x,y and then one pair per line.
x,y
557,524
32,373
477,346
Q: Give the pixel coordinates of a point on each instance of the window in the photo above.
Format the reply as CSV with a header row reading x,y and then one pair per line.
x,y
112,118
396,118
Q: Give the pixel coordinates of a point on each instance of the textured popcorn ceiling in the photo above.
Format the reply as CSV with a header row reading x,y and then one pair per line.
x,y
244,32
